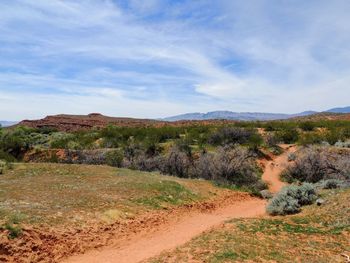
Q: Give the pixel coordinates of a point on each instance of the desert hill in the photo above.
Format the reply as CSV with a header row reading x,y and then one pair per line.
x,y
64,122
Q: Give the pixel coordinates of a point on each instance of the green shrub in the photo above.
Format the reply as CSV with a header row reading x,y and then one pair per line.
x,y
290,199
114,158
60,140
14,230
288,135
311,138
7,157
307,126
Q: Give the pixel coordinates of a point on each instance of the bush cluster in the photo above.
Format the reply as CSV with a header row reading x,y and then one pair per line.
x,y
314,164
291,198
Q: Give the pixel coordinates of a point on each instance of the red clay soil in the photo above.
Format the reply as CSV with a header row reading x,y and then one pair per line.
x,y
45,244
274,168
171,235
69,123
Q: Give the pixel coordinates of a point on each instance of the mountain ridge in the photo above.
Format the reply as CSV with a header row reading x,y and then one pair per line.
x,y
7,123
248,116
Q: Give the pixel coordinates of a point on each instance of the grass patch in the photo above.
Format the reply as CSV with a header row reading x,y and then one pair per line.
x,y
14,230
168,192
74,194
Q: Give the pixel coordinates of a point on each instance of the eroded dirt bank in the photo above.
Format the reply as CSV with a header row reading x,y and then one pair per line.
x,y
44,244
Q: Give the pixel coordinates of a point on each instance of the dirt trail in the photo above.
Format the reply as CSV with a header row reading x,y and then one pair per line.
x,y
274,168
143,246
172,235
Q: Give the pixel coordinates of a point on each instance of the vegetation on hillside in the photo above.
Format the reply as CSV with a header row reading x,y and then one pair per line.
x,y
223,153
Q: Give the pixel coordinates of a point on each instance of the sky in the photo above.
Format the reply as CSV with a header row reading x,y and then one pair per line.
x,y
158,58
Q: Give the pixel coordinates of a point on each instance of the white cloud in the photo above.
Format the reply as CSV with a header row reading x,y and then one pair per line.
x,y
234,55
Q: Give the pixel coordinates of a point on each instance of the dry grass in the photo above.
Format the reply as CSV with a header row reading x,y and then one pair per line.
x,y
318,234
61,194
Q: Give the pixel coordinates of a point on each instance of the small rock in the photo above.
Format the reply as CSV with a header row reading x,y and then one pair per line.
x,y
320,201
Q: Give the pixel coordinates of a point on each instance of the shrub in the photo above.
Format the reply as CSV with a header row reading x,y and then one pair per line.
x,y
232,135
307,126
266,194
177,163
61,140
145,163
288,135
290,199
15,142
14,231
283,204
341,144
232,166
333,184
6,156
315,164
114,158
204,166
311,138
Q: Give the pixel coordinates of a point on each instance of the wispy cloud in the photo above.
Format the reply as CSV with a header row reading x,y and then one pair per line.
x,y
176,56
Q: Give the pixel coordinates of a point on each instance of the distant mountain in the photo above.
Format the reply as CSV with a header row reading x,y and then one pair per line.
x,y
230,115
7,123
340,110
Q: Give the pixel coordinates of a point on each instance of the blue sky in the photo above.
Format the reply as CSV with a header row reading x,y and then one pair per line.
x,y
156,58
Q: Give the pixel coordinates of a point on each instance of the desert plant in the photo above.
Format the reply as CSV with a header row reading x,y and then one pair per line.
x,y
333,184
288,135
204,166
177,163
14,231
114,158
266,194
236,166
307,126
290,199
233,135
318,163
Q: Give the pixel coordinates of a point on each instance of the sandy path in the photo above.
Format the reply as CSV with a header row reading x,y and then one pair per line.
x,y
177,232
172,235
274,168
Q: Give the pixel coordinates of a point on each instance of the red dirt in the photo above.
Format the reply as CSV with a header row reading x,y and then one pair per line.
x,y
274,168
171,235
45,244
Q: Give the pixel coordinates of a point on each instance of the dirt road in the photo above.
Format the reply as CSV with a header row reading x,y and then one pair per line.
x,y
141,247
274,168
